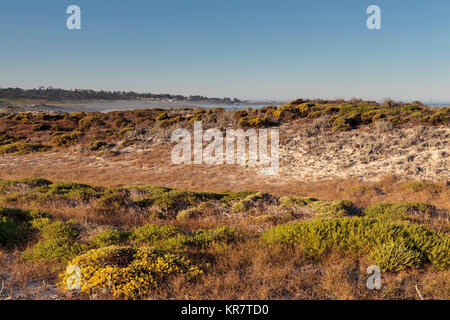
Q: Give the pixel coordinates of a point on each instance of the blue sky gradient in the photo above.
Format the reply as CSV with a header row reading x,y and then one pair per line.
x,y
257,49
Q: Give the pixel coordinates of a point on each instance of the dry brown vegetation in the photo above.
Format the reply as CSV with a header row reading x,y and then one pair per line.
x,y
240,267
107,163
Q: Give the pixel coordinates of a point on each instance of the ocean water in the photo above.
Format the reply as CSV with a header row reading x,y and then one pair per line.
x,y
441,104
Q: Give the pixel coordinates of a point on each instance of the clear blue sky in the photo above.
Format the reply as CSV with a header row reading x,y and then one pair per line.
x,y
262,49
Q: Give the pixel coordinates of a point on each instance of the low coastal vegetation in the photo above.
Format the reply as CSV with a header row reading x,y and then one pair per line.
x,y
22,133
141,242
153,241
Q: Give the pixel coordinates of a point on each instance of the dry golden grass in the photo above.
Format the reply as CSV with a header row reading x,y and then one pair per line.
x,y
246,270
154,167
250,271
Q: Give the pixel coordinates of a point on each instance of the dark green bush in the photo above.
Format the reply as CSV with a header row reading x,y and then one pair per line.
x,y
151,233
112,199
21,148
341,124
333,209
40,127
203,238
58,250
296,201
397,211
56,229
12,232
96,145
71,190
421,186
109,237
58,242
66,139
358,234
395,257
30,182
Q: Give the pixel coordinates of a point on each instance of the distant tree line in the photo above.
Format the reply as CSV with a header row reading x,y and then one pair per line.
x,y
51,93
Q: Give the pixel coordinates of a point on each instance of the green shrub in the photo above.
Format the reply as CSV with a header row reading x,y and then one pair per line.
x,y
441,116
315,115
56,229
362,189
249,201
171,200
187,214
367,117
331,110
354,118
378,116
16,214
30,182
112,199
333,209
410,108
71,190
164,123
151,233
109,237
53,250
421,186
162,116
203,238
296,201
395,257
259,122
397,211
21,148
37,214
240,207
16,225
89,121
143,203
358,234
171,238
40,127
66,139
6,138
121,122
253,122
96,145
58,243
12,232
341,124
438,253
229,197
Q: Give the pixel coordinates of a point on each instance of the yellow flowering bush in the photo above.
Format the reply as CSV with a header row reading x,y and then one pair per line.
x,y
126,272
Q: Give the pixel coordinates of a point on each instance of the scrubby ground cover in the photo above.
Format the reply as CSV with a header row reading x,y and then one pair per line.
x,y
22,133
141,242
